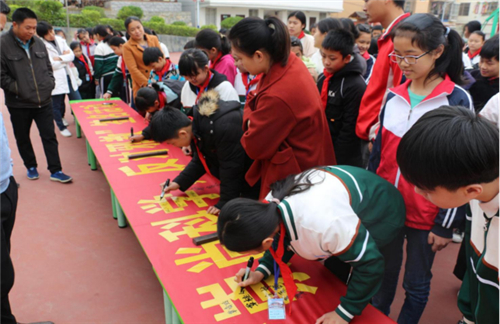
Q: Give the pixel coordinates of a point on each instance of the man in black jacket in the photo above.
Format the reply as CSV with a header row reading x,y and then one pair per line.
x,y
27,80
214,136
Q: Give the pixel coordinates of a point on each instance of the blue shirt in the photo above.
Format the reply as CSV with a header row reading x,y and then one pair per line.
x,y
25,46
5,160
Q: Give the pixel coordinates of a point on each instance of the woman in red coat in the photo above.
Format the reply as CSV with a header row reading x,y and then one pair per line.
x,y
285,128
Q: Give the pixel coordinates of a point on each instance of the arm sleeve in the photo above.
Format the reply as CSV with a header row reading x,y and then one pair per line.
x,y
66,58
8,83
262,120
193,171
374,160
448,219
117,79
98,63
134,71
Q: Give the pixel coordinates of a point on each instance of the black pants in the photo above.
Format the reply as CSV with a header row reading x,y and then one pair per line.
x,y
8,208
22,118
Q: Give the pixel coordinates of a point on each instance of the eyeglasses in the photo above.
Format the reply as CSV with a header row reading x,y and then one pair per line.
x,y
409,59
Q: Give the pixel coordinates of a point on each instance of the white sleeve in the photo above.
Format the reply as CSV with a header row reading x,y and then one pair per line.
x,y
238,84
165,51
187,96
227,92
64,47
467,62
490,110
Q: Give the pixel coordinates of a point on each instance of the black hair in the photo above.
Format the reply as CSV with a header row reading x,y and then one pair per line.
x,y
378,27
150,32
74,45
325,25
189,44
348,25
294,41
362,28
479,33
472,26
399,3
81,31
102,30
145,98
271,35
130,19
4,8
192,60
90,30
244,223
43,28
223,31
22,14
116,41
373,49
167,122
59,30
151,55
428,33
208,39
315,25
450,147
339,40
300,16
490,48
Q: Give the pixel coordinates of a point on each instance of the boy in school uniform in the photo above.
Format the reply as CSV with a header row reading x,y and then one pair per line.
x,y
161,68
451,156
486,85
214,134
342,86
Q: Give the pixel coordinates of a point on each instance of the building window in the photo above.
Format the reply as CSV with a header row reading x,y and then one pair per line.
x,y
464,9
222,17
242,16
492,6
253,13
322,15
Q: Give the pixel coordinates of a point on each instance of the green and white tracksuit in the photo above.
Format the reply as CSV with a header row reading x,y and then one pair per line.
x,y
349,213
478,297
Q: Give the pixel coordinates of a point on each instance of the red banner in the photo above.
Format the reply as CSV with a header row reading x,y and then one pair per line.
x,y
198,279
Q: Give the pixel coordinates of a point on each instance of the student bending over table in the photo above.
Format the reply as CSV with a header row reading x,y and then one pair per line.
x,y
342,214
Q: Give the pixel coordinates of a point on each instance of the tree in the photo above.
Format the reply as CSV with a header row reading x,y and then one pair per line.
x,y
128,11
50,11
100,10
157,19
228,23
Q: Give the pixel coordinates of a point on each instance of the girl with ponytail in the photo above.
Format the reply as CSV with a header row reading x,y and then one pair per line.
x,y
105,59
218,50
344,215
285,131
430,57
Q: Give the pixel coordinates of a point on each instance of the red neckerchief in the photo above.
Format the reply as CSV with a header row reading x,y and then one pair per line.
x,y
124,69
162,99
255,80
473,55
492,80
82,58
286,273
324,89
217,59
366,55
200,156
87,47
164,70
302,35
204,86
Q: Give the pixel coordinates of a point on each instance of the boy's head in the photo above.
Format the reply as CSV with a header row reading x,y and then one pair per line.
x,y
146,100
172,126
76,47
364,39
153,58
476,41
336,50
489,58
377,30
451,156
296,46
378,10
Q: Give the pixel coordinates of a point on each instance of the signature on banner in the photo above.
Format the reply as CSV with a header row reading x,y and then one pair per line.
x,y
174,204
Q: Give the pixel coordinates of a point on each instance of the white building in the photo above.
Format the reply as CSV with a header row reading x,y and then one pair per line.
x,y
212,12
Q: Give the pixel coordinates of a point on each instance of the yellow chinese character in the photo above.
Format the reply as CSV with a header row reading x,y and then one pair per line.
x,y
127,146
155,205
109,136
169,165
96,122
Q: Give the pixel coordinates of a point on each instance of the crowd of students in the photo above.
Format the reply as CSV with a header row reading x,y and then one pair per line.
x,y
358,96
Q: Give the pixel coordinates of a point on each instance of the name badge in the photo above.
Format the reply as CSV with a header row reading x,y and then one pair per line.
x,y
87,77
276,308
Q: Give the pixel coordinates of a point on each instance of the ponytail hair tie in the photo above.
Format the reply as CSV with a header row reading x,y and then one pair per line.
x,y
270,24
447,32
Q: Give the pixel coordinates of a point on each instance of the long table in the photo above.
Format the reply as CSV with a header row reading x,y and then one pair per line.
x,y
198,281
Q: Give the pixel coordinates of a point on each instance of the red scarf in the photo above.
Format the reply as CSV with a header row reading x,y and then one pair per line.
x,y
124,69
255,80
286,273
162,99
204,86
200,156
87,47
324,89
164,70
82,58
217,59
366,55
476,53
302,35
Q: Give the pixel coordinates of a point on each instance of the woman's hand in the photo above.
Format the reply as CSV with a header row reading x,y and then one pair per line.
x,y
253,278
331,318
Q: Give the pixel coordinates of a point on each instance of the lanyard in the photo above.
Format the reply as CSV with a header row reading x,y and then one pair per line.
x,y
276,277
203,88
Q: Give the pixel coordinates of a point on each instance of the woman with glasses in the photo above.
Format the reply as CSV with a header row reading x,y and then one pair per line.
x,y
429,55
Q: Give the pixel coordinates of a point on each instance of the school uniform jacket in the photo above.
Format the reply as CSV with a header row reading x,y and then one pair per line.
x,y
369,68
470,64
396,118
85,86
345,90
105,61
118,81
217,131
478,296
348,213
89,50
219,83
388,74
288,132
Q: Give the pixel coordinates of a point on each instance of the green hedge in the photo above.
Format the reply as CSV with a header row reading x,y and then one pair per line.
x,y
128,11
117,24
228,23
213,27
162,28
94,8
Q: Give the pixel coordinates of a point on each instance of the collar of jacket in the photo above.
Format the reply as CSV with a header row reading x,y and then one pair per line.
x,y
15,38
444,89
133,42
392,25
276,72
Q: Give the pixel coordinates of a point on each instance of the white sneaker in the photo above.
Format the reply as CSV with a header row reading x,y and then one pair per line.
x,y
65,132
65,122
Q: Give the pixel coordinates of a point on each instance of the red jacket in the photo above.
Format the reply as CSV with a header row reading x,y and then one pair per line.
x,y
386,75
288,131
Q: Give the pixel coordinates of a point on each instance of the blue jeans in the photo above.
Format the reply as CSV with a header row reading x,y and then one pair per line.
x,y
417,278
58,108
72,95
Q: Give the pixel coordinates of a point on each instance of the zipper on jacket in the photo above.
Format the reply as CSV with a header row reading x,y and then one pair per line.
x,y
398,174
36,85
